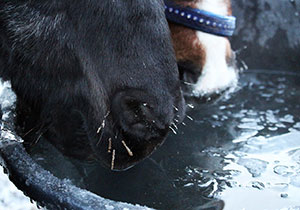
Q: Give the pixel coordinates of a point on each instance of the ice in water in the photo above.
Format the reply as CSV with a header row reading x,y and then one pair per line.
x,y
243,148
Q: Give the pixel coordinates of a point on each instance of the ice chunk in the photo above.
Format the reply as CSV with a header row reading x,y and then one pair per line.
x,y
295,180
255,166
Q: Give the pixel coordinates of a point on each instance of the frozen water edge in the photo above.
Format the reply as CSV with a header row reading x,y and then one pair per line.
x,y
11,198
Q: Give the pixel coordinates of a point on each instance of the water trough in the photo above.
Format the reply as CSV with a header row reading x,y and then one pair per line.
x,y
238,151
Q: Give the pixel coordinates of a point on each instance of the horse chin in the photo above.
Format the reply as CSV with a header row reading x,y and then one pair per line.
x,y
125,151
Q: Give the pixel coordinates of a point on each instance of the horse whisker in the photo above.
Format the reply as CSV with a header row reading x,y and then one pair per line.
x,y
176,109
106,114
102,126
191,106
36,141
109,145
127,148
100,138
28,132
40,135
175,126
113,159
172,129
98,142
189,117
187,83
99,129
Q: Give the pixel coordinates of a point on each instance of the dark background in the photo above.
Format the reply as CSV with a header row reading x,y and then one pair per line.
x,y
268,33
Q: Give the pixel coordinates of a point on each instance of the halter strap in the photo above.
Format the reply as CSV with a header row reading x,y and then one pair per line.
x,y
200,20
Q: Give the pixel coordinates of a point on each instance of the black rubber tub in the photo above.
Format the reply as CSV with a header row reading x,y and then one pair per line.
x,y
237,152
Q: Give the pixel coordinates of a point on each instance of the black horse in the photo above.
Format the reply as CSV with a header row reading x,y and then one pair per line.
x,y
97,78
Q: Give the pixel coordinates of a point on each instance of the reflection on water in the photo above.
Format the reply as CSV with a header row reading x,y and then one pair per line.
x,y
242,150
269,169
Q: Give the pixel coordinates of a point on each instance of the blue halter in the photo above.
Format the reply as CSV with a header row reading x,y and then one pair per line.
x,y
200,20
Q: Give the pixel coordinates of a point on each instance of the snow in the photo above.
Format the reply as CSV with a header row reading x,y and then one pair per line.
x,y
11,198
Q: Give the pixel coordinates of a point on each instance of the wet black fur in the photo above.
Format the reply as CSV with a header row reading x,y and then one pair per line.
x,y
72,62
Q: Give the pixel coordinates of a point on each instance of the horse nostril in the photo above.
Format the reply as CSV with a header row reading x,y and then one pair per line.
x,y
133,112
189,71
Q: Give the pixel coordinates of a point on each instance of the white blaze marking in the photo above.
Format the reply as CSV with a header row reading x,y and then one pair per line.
x,y
218,7
216,75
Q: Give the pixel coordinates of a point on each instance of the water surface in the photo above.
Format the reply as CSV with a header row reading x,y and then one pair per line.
x,y
241,151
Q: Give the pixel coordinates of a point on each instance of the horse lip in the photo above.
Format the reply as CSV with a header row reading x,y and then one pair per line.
x,y
125,152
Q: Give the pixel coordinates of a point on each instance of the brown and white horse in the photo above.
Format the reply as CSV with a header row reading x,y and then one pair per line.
x,y
205,60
